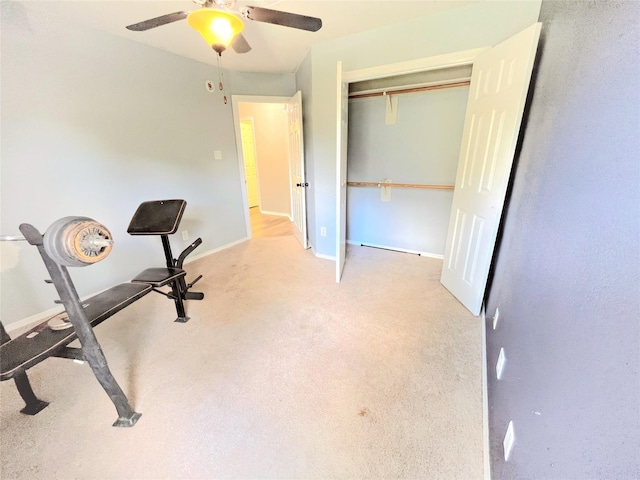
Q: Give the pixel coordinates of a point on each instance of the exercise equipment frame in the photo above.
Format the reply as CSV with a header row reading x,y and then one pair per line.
x,y
17,355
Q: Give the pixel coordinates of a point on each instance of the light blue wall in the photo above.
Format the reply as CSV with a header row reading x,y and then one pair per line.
x,y
93,124
255,83
567,277
470,26
422,147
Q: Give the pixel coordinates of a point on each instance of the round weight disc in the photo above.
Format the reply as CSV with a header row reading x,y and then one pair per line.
x,y
59,322
77,241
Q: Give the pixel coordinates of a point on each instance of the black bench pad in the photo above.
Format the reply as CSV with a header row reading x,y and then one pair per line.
x,y
157,217
22,352
160,276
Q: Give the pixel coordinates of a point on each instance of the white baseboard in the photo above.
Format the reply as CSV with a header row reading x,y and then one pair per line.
x,y
33,319
41,316
216,250
404,250
485,400
277,214
320,255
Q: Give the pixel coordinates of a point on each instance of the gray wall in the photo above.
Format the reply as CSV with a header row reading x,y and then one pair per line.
x,y
422,147
93,124
566,279
469,26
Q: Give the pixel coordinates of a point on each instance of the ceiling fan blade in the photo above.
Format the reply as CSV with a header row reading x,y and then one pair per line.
x,y
240,44
286,19
158,21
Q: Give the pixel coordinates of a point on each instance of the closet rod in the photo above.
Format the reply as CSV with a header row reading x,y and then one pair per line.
x,y
411,90
400,185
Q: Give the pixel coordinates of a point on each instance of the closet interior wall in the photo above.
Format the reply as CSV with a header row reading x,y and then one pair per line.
x,y
415,148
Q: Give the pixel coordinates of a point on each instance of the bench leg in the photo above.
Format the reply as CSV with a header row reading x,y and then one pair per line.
x,y
177,298
33,403
98,363
180,292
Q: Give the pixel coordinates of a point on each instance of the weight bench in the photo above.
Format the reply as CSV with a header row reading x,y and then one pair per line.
x,y
162,217
79,241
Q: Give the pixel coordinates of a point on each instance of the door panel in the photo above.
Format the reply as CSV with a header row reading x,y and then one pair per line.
x,y
249,154
498,90
296,167
341,174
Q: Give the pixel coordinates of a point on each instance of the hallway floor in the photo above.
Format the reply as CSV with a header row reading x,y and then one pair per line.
x,y
263,225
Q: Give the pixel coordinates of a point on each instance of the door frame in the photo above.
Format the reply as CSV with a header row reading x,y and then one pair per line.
x,y
235,101
437,62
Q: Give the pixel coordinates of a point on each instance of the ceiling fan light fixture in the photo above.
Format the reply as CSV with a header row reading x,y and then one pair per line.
x,y
218,28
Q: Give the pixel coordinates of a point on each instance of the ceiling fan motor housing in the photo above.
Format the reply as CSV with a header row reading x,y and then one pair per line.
x,y
219,48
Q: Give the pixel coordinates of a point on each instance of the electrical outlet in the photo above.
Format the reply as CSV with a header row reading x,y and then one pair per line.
x,y
185,235
500,364
217,155
495,318
507,443
323,231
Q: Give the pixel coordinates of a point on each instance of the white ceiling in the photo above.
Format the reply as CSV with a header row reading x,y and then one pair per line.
x,y
274,48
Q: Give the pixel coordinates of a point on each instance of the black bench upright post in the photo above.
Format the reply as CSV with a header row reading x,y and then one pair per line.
x,y
162,218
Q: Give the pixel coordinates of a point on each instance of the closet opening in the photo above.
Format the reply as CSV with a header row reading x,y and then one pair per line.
x,y
404,140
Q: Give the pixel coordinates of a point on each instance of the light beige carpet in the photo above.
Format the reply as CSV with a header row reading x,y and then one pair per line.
x,y
280,373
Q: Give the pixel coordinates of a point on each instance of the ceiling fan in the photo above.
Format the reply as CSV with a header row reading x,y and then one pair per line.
x,y
221,27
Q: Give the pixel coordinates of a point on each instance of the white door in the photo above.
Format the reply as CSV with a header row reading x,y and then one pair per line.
x,y
249,153
296,167
341,174
497,94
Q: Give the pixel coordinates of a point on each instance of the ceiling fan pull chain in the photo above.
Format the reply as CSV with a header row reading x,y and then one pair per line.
x,y
220,78
220,85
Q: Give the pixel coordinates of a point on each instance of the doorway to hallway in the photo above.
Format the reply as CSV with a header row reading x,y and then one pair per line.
x,y
276,157
264,225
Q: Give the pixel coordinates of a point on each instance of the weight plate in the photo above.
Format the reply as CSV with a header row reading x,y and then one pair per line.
x,y
60,322
77,241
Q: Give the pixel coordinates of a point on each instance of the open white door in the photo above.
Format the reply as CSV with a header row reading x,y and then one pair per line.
x,y
497,94
341,174
296,167
249,154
